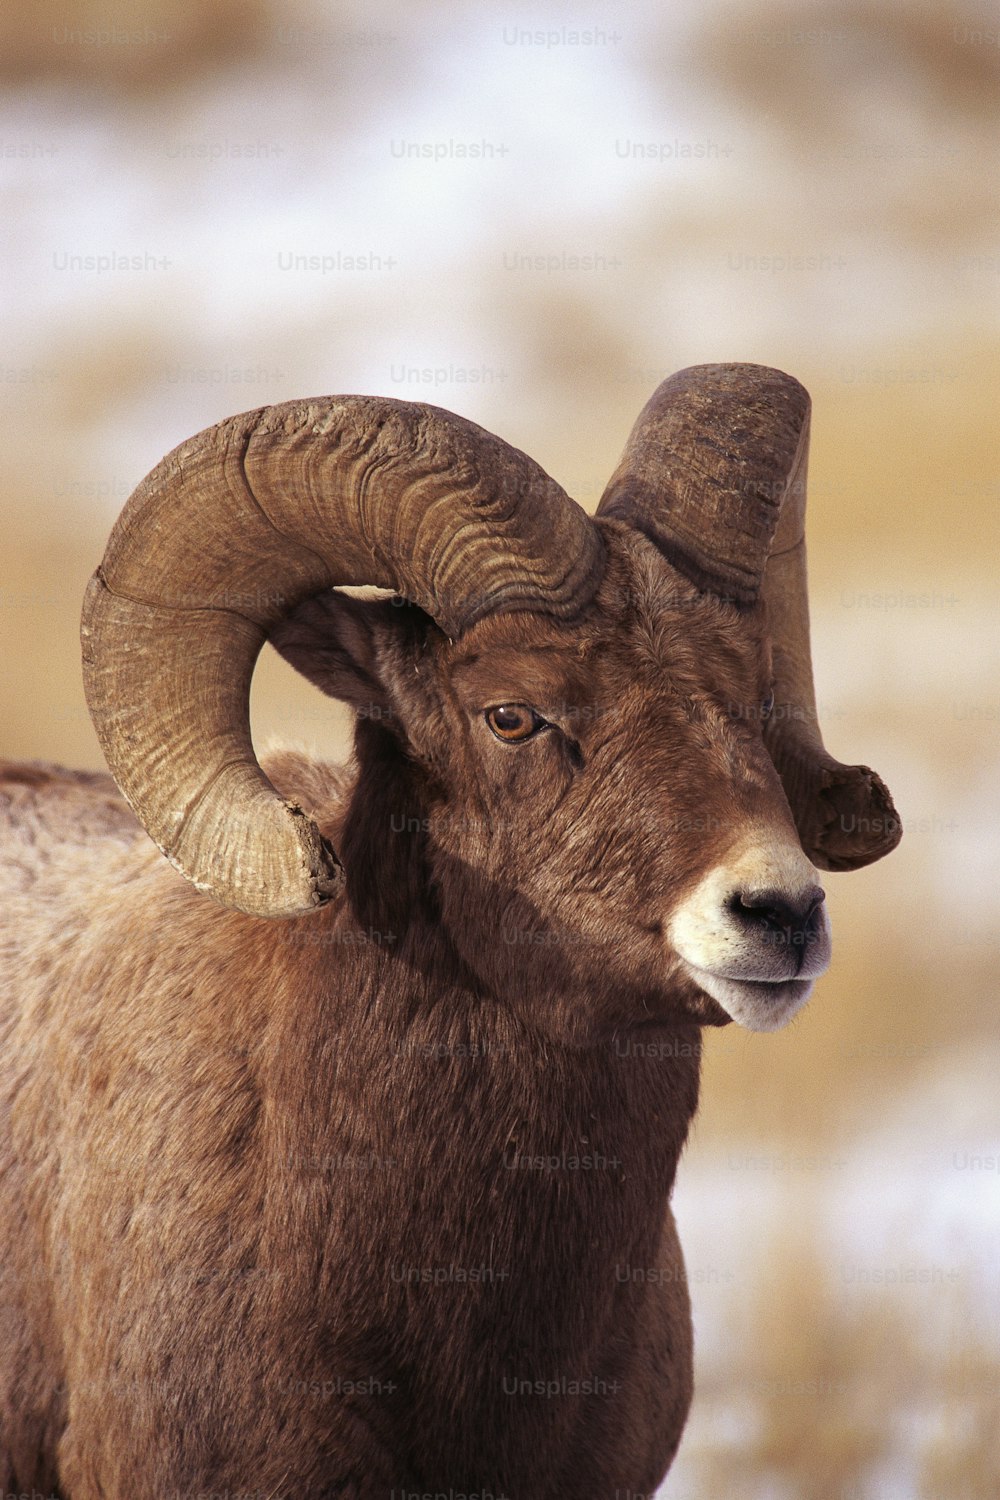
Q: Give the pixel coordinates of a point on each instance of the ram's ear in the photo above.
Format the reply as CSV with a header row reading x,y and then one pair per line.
x,y
344,644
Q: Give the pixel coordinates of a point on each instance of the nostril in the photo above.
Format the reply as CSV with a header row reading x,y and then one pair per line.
x,y
777,912
816,899
779,905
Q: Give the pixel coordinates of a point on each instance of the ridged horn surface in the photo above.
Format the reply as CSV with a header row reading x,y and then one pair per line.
x,y
844,814
704,471
714,473
236,527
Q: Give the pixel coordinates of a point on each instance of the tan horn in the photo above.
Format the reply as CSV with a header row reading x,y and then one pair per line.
x,y
714,473
236,527
844,814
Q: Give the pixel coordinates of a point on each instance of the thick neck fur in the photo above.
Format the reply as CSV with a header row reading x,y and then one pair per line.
x,y
469,1194
467,1188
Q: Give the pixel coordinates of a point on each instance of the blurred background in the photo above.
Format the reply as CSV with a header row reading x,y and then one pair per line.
x,y
530,215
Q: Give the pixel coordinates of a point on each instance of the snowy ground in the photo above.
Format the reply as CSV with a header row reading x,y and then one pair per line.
x,y
905,1223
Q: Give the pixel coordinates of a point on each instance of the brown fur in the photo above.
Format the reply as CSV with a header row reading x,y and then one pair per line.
x,y
338,1206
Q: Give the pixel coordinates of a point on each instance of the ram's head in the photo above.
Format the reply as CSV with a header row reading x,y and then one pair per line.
x,y
595,738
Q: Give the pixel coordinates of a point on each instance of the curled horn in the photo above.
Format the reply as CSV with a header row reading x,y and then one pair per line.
x,y
714,473
235,528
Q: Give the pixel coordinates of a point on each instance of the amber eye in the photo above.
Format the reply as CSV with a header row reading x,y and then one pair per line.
x,y
514,721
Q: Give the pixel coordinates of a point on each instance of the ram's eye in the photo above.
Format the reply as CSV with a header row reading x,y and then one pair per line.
x,y
514,721
767,707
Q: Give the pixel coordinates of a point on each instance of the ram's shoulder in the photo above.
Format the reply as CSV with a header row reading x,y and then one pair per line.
x,y
55,821
59,831
39,800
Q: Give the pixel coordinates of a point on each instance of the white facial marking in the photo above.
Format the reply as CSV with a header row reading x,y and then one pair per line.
x,y
754,934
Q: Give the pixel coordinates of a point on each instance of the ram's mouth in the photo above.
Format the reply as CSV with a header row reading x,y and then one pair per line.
x,y
757,1004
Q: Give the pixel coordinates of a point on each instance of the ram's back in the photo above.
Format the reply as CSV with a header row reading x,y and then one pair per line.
x,y
132,1014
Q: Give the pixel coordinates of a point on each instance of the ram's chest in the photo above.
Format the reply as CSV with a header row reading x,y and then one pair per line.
x,y
543,1351
500,1291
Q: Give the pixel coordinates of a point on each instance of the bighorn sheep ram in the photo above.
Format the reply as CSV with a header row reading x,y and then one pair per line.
x,y
333,1205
